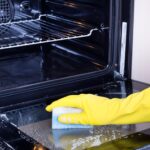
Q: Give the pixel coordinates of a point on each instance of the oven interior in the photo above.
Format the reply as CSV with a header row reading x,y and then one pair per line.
x,y
45,40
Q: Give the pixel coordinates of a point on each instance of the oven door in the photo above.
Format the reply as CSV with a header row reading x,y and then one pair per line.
x,y
31,125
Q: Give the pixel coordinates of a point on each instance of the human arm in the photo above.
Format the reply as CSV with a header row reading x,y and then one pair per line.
x,y
97,110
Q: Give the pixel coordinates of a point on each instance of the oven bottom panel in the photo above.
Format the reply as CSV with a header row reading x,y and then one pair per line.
x,y
36,64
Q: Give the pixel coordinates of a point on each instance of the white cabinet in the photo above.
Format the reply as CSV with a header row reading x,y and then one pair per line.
x,y
141,42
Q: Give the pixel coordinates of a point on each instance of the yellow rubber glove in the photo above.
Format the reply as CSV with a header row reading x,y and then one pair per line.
x,y
98,110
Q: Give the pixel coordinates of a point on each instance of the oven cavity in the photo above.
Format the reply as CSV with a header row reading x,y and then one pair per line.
x,y
30,22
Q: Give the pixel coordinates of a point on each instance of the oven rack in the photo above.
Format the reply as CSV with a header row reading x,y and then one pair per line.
x,y
45,29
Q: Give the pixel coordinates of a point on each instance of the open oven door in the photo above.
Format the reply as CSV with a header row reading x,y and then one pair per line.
x,y
29,126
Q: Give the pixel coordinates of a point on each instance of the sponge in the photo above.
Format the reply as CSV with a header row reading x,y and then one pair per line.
x,y
64,110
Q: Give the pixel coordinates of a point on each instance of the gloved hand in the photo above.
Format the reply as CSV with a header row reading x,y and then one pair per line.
x,y
98,110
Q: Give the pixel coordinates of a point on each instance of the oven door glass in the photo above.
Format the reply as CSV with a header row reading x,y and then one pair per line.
x,y
35,122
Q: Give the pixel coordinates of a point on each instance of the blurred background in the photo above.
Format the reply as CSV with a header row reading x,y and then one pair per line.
x,y
141,42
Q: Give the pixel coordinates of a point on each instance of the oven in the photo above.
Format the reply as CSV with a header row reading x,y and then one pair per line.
x,y
53,48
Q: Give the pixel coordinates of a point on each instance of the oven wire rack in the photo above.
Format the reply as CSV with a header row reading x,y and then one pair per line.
x,y
45,29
